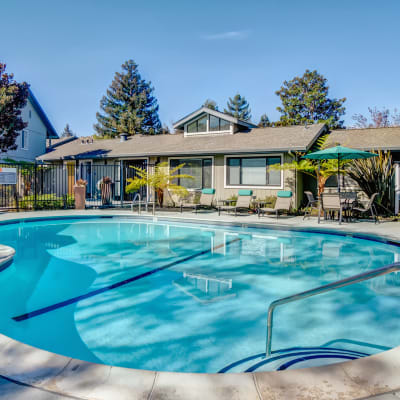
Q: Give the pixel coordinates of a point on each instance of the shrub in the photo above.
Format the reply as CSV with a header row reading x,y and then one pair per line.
x,y
46,201
374,175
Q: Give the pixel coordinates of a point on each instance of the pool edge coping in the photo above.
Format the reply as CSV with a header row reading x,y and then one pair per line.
x,y
358,379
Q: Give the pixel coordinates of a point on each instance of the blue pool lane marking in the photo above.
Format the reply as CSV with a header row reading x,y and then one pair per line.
x,y
73,300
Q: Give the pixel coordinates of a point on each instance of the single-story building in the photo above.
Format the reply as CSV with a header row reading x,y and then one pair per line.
x,y
218,150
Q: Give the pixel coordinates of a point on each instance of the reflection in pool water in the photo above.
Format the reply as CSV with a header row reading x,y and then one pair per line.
x,y
181,297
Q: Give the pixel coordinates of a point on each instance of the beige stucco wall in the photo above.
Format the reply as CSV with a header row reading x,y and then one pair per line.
x,y
222,192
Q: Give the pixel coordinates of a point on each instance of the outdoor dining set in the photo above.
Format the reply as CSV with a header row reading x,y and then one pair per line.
x,y
345,204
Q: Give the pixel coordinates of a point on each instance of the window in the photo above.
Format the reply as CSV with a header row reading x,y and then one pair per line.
x,y
24,140
252,171
30,114
218,124
199,125
199,168
224,125
215,124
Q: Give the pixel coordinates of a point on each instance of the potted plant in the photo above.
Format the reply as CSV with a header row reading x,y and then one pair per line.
x,y
80,194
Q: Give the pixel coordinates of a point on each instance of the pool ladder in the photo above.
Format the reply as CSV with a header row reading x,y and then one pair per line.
x,y
137,196
323,289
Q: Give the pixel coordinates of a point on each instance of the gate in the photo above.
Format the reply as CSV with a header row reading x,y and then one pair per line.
x,y
50,186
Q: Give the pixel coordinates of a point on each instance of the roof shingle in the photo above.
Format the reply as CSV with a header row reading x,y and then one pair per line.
x,y
367,139
258,140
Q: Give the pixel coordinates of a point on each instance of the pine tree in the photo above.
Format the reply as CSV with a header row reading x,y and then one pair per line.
x,y
264,121
211,104
67,132
129,105
238,107
13,97
305,100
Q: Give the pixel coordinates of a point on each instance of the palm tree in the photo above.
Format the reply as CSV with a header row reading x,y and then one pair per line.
x,y
159,180
320,170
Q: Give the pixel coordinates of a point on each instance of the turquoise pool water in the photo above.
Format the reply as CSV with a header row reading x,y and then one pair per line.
x,y
193,298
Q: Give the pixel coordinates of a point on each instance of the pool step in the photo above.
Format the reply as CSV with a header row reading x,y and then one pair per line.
x,y
299,357
7,254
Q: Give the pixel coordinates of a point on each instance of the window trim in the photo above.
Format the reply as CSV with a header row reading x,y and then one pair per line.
x,y
261,155
195,158
208,131
24,140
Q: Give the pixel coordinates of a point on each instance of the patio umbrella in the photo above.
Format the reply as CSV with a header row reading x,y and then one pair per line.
x,y
339,153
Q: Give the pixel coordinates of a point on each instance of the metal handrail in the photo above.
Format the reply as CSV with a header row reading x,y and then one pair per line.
x,y
323,289
137,195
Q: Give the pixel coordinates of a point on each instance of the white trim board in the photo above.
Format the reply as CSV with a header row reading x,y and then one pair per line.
x,y
196,158
254,187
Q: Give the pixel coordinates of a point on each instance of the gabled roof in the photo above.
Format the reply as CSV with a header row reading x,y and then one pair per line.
x,y
367,139
179,124
51,132
51,142
258,140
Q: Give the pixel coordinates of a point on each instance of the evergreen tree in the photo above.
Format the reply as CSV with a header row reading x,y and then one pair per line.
x,y
13,97
305,100
129,105
264,121
211,104
238,107
67,132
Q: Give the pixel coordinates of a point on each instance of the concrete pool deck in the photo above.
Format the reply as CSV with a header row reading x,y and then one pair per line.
x,y
30,373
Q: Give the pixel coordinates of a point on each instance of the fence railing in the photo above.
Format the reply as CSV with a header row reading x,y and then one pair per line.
x,y
50,186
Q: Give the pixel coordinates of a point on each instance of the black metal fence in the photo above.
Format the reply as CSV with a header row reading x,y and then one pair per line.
x,y
50,186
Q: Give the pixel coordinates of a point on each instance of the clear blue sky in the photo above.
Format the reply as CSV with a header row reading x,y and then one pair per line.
x,y
69,51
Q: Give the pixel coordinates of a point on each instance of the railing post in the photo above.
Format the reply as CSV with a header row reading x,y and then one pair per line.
x,y
121,183
35,187
270,322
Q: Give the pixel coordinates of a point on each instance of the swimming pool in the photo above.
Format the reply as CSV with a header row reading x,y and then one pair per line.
x,y
193,297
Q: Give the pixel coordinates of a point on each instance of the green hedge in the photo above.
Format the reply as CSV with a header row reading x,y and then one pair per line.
x,y
46,201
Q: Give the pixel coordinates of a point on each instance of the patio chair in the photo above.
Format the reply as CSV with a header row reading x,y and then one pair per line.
x,y
242,204
206,201
312,204
283,203
369,208
348,200
330,203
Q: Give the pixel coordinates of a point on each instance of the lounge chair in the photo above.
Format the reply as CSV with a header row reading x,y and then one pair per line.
x,y
206,201
312,204
369,208
330,203
283,203
243,203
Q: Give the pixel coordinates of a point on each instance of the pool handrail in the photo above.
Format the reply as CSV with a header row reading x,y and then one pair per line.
x,y
137,196
323,289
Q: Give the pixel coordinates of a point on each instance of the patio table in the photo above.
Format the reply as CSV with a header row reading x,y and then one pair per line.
x,y
226,202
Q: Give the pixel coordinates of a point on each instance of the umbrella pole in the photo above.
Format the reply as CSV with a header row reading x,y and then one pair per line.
x,y
338,173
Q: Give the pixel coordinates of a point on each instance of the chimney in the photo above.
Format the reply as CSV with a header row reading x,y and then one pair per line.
x,y
123,137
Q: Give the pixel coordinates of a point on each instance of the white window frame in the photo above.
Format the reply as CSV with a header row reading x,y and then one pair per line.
x,y
226,186
207,132
24,140
195,158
